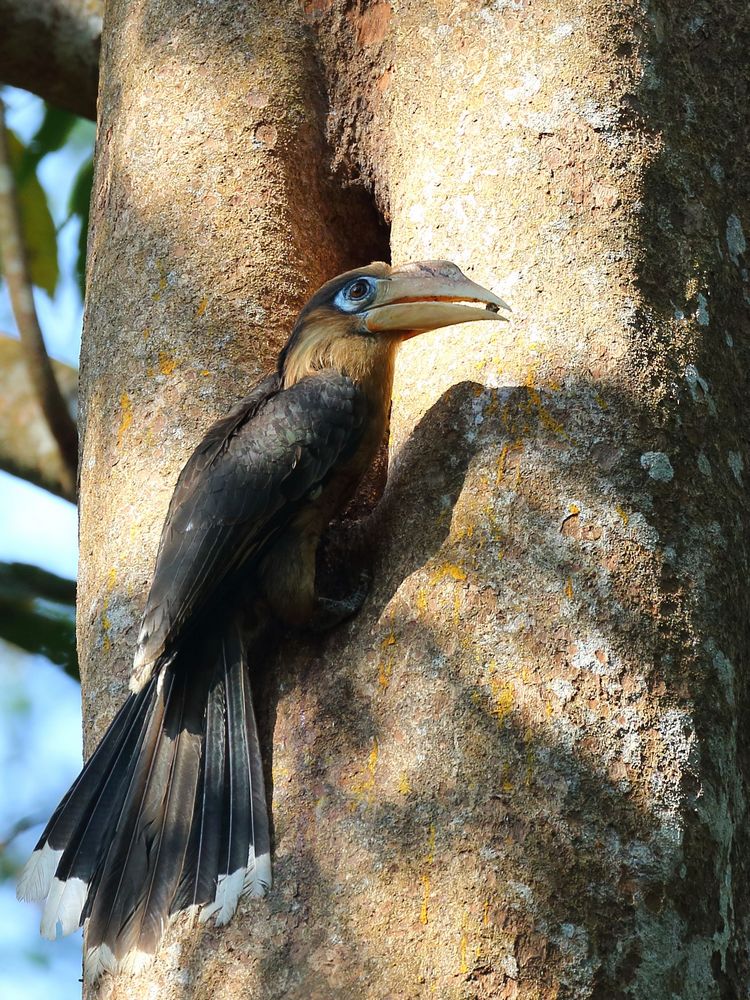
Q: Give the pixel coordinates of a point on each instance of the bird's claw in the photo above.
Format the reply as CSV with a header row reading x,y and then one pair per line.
x,y
330,612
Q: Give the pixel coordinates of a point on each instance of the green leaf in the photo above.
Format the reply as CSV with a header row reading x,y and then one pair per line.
x,y
78,204
53,132
38,229
37,613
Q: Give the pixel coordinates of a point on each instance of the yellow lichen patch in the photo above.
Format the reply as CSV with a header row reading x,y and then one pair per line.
x,y
385,672
404,786
155,296
421,601
486,913
205,371
500,464
492,405
535,404
386,662
463,966
201,307
503,694
456,610
126,416
544,415
106,626
506,452
447,570
624,517
569,588
461,531
147,333
167,363
573,508
601,402
362,788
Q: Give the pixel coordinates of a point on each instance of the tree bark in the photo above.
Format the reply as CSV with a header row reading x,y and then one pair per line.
x,y
51,47
520,771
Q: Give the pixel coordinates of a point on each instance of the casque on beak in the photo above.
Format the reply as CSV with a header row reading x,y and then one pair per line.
x,y
427,295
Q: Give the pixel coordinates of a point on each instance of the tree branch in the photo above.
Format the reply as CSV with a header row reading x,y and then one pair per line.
x,y
51,47
16,274
27,448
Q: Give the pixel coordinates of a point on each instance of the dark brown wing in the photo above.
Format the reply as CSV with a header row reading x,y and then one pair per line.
x,y
239,488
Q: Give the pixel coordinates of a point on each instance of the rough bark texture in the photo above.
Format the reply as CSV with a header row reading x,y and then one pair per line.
x,y
51,47
27,447
519,773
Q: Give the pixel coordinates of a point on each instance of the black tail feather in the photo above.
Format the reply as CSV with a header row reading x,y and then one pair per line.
x,y
169,812
201,866
242,867
179,801
104,805
125,865
77,801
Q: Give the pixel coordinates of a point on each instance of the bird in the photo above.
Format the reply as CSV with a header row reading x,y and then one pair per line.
x,y
169,814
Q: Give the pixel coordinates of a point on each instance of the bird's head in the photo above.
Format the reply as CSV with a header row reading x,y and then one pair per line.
x,y
356,321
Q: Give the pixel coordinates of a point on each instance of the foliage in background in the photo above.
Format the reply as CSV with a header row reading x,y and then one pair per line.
x,y
37,609
39,751
40,234
37,613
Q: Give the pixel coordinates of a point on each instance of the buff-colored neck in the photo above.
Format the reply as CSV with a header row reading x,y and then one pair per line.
x,y
369,361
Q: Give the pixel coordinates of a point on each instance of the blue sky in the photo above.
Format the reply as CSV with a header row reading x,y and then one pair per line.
x,y
40,714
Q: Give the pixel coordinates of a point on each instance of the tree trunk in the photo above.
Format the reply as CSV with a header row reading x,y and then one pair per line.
x,y
519,772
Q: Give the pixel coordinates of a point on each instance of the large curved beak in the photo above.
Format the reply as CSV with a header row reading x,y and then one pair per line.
x,y
427,295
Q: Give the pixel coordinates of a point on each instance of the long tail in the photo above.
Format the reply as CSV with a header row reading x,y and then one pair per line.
x,y
169,813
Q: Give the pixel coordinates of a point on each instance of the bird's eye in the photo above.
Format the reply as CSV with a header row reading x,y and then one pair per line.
x,y
357,293
358,290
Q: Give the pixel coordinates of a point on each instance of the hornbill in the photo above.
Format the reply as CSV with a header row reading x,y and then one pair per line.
x,y
170,811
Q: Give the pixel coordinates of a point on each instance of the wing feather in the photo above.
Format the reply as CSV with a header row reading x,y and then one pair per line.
x,y
240,487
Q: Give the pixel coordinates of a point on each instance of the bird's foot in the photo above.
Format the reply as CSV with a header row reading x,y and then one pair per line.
x,y
330,612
